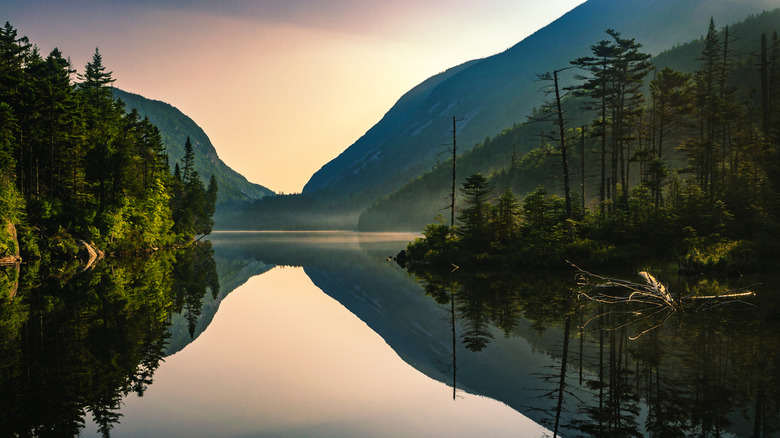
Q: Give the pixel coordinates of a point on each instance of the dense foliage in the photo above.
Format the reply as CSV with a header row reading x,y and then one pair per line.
x,y
75,164
682,164
77,342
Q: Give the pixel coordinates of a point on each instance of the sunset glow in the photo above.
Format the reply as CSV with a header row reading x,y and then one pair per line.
x,y
280,88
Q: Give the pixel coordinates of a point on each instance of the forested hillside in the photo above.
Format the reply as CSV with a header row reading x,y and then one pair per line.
x,y
665,162
486,96
174,128
493,93
523,158
74,165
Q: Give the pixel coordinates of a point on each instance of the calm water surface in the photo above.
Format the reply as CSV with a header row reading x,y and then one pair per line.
x,y
283,358
317,334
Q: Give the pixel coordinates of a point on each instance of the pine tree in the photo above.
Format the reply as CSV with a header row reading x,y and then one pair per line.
x,y
672,105
103,122
60,121
211,196
709,109
598,86
96,78
617,71
630,68
507,216
152,152
553,112
14,51
474,217
188,161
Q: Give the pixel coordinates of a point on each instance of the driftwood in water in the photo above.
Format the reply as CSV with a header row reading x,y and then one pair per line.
x,y
648,300
653,294
651,291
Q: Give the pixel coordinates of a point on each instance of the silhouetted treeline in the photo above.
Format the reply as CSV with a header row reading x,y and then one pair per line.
x,y
672,163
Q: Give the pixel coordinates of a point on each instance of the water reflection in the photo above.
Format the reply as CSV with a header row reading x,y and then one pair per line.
x,y
621,371
74,343
282,359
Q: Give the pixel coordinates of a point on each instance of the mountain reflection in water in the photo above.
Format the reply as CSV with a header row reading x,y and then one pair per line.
x,y
274,356
627,369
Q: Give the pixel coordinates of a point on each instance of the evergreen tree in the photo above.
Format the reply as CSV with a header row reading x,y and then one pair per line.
x,y
553,112
474,217
672,105
703,150
85,166
211,197
95,78
598,86
630,68
188,161
8,126
103,115
507,216
617,71
152,151
14,51
61,123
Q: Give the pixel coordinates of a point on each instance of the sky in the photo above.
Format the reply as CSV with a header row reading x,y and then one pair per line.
x,y
281,87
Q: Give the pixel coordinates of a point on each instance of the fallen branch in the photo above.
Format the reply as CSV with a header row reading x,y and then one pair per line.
x,y
652,293
715,297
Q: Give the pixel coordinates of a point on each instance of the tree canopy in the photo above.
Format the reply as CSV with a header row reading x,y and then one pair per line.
x,y
75,164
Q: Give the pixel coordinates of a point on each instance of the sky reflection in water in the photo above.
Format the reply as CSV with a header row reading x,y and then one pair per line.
x,y
281,358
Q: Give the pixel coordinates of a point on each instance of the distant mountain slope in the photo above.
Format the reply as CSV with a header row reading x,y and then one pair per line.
x,y
421,199
496,92
175,127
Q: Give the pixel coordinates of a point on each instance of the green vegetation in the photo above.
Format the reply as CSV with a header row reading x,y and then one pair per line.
x,y
79,341
175,127
689,171
75,165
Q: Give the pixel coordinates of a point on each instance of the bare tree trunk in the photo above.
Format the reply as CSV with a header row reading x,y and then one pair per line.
x,y
582,167
562,134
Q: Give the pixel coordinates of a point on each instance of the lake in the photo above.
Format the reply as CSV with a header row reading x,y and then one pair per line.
x,y
318,334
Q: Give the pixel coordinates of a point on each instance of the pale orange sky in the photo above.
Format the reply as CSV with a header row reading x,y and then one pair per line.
x,y
280,87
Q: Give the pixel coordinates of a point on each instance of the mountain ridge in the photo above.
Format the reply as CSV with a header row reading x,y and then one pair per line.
x,y
492,93
175,127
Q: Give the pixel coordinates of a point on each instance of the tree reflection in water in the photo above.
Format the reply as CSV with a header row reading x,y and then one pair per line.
x,y
705,372
75,343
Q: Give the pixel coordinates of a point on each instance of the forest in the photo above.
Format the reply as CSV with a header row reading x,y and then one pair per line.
x,y
647,163
75,165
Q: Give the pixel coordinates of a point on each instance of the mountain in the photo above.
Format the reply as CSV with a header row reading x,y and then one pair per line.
x,y
175,127
493,93
421,199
